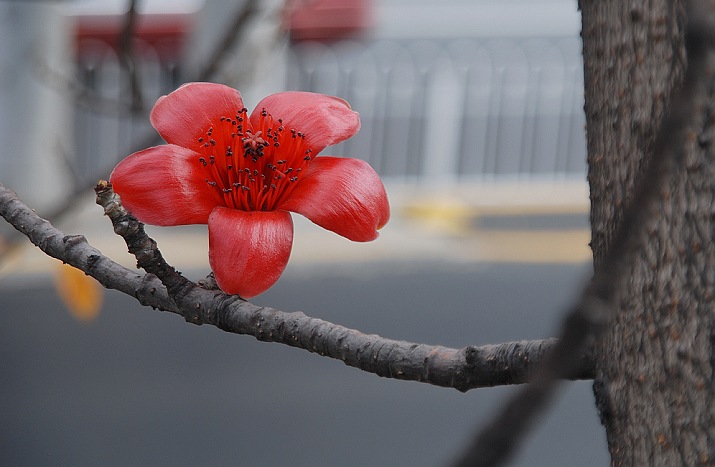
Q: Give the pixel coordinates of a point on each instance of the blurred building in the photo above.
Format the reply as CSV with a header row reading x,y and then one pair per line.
x,y
458,90
448,91
35,113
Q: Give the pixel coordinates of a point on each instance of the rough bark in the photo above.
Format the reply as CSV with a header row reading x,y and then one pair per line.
x,y
654,367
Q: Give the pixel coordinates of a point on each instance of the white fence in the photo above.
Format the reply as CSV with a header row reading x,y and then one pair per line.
x,y
106,129
462,108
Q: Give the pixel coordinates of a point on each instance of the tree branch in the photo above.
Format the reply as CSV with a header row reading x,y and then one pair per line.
x,y
126,56
224,46
463,369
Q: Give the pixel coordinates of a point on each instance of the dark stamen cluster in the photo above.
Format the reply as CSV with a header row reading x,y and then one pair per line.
x,y
262,164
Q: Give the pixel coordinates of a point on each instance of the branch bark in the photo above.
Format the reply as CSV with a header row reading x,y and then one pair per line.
x,y
591,317
163,288
654,383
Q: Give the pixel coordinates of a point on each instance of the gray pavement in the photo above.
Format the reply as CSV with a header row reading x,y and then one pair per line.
x,y
141,387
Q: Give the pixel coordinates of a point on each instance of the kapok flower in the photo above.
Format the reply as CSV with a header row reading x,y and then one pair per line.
x,y
242,173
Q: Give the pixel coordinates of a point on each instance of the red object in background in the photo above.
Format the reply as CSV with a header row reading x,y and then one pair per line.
x,y
317,20
165,33
327,20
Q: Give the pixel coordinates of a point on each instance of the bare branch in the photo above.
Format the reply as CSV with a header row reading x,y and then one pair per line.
x,y
11,239
76,251
126,56
81,95
590,317
463,369
235,29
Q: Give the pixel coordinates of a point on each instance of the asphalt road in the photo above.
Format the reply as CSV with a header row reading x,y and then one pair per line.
x,y
142,387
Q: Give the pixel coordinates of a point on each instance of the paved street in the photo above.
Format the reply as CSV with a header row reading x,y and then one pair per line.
x,y
142,387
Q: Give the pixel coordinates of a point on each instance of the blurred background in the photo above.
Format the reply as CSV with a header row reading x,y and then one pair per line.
x,y
471,111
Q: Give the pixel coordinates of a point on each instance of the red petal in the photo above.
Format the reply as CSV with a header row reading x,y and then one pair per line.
x,y
342,195
186,114
248,250
325,120
165,185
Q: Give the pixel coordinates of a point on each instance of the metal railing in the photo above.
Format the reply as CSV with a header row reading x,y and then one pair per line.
x,y
457,109
106,128
430,110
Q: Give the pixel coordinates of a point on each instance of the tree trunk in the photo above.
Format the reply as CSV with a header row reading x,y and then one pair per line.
x,y
654,371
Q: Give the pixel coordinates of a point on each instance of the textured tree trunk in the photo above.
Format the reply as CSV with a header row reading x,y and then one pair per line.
x,y
654,372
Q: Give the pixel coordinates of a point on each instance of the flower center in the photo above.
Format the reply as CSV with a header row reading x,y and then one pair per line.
x,y
254,168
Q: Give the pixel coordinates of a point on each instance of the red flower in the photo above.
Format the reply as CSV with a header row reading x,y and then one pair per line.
x,y
241,173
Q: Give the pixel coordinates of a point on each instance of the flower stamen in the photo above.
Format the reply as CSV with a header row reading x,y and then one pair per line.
x,y
262,164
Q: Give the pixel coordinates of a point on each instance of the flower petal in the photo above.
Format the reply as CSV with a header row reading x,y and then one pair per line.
x,y
343,195
325,120
248,250
165,185
186,114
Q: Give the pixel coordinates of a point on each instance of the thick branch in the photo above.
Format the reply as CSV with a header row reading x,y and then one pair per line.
x,y
590,317
463,369
76,251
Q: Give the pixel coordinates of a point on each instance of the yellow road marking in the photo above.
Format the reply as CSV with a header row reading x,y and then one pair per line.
x,y
506,245
558,246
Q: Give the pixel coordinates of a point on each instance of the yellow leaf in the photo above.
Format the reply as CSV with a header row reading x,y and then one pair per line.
x,y
80,293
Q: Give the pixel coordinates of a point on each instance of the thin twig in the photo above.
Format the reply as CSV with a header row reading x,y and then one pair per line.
x,y
224,46
589,318
462,369
126,56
